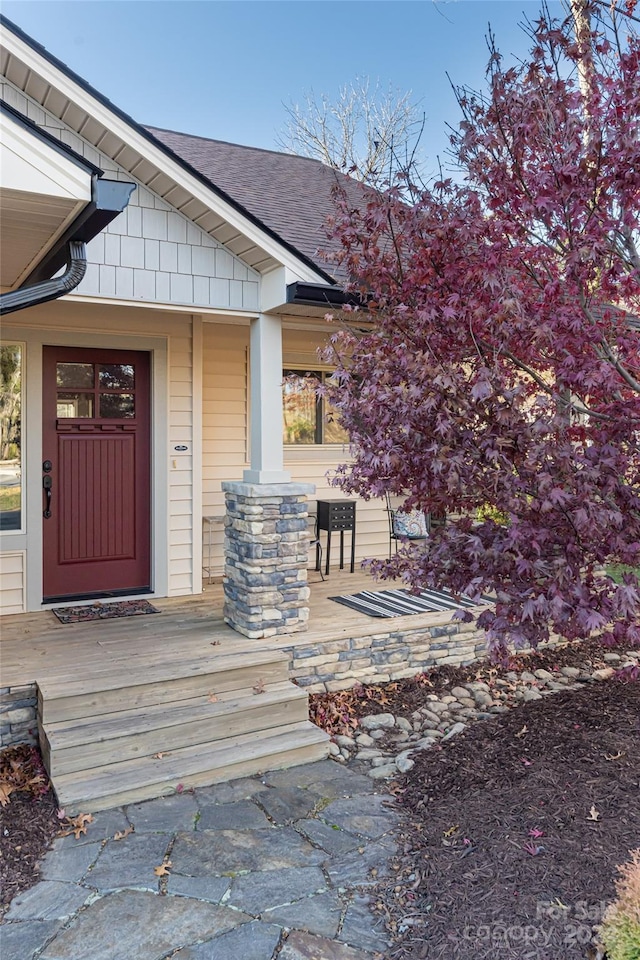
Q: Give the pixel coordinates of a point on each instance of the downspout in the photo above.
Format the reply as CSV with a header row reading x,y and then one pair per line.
x,y
49,289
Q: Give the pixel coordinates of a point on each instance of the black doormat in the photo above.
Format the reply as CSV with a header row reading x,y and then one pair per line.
x,y
104,611
398,603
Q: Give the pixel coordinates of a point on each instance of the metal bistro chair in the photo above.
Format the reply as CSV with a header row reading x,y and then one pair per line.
x,y
406,525
312,521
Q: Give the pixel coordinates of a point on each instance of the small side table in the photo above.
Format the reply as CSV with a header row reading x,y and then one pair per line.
x,y
207,542
338,515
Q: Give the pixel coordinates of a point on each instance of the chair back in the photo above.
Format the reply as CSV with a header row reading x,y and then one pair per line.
x,y
405,524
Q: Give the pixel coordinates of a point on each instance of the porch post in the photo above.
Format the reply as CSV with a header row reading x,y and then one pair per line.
x,y
267,459
266,541
266,551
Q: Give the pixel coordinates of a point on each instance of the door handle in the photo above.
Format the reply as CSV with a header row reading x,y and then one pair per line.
x,y
47,484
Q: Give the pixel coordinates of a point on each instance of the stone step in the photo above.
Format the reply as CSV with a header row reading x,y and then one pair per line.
x,y
120,688
131,781
71,746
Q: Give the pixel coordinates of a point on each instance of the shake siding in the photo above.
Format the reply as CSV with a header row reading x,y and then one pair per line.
x,y
12,582
150,252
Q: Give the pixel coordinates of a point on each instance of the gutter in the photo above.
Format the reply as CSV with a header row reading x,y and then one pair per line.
x,y
321,295
108,199
49,289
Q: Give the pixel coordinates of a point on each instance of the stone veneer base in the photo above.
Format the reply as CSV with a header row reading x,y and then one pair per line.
x,y
266,550
18,721
388,654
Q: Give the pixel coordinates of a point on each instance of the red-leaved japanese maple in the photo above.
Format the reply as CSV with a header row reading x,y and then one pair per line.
x,y
496,374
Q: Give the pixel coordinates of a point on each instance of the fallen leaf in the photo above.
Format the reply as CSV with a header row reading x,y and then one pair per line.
x,y
450,832
536,834
527,763
212,698
615,756
5,790
215,643
60,814
180,788
522,732
532,849
77,825
259,687
163,870
121,834
593,814
159,756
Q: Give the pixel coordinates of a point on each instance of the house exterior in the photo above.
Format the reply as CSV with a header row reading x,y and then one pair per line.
x,y
150,396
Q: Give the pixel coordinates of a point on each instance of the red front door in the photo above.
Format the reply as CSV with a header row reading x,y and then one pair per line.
x,y
95,473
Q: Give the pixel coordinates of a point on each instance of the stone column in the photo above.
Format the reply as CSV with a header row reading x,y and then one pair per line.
x,y
266,548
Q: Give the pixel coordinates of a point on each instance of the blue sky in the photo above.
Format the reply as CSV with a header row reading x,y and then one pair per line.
x,y
224,69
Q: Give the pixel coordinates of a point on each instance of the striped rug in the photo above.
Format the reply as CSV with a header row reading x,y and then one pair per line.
x,y
398,603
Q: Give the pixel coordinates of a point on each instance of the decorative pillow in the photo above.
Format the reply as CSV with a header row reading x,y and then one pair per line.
x,y
411,525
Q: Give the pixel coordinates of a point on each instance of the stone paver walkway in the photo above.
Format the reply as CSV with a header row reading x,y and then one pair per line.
x,y
272,866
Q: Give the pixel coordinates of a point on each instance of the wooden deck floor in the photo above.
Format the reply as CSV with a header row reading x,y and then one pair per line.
x,y
36,646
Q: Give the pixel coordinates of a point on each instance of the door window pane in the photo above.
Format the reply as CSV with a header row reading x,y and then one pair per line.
x,y
74,405
74,375
117,405
117,376
10,437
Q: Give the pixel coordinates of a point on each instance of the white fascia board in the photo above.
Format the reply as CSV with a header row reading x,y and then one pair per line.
x,y
30,165
113,123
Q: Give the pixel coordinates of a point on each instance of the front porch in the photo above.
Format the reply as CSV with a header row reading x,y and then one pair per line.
x,y
36,647
130,708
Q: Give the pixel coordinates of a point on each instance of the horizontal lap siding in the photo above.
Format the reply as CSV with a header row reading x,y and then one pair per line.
x,y
224,428
12,582
372,536
181,467
311,465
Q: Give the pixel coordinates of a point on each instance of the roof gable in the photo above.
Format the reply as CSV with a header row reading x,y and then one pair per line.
x,y
291,195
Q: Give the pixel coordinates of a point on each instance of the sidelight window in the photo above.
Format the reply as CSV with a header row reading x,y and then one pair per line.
x,y
11,434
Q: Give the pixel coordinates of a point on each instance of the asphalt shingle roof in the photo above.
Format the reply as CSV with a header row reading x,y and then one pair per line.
x,y
290,195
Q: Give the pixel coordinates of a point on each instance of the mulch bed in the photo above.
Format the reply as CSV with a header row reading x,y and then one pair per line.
x,y
514,829
28,820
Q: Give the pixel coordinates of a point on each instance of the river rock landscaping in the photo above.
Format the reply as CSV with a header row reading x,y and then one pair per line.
x,y
385,726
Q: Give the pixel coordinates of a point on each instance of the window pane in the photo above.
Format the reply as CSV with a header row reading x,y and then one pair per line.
x,y
74,375
116,376
10,437
74,405
300,410
117,405
334,432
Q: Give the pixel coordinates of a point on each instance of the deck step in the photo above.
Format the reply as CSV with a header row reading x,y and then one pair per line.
x,y
71,746
121,688
131,781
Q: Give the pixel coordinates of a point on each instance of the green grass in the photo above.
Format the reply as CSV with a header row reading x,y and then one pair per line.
x,y
615,571
10,498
